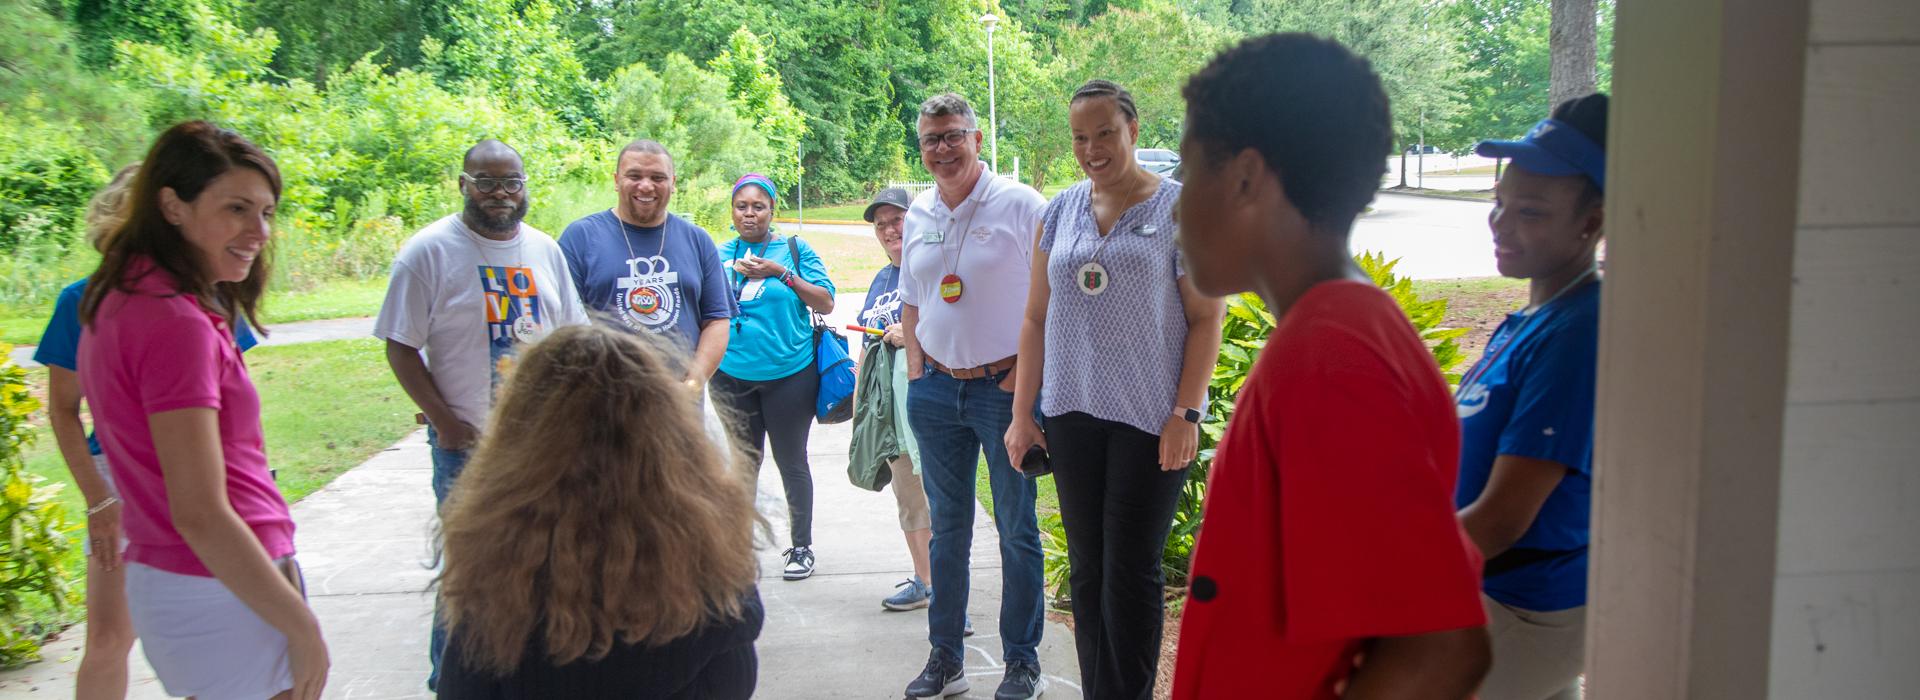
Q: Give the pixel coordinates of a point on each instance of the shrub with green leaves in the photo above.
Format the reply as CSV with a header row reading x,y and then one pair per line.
x,y
33,527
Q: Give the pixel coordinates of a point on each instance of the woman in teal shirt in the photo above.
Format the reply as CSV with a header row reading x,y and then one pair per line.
x,y
767,383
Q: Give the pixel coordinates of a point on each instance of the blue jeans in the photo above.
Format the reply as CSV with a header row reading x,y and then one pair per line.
x,y
953,420
447,465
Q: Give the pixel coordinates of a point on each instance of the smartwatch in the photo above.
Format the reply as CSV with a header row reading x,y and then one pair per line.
x,y
1190,415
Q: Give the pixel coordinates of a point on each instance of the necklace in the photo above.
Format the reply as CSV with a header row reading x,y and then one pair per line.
x,y
626,236
1531,314
951,288
1093,278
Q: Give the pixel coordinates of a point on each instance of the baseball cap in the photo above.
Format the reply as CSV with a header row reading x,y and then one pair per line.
x,y
892,195
1553,147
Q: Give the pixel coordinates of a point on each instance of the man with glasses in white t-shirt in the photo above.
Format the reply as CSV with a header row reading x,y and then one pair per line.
x,y
963,289
467,291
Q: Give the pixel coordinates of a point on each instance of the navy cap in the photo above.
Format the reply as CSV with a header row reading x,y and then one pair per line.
x,y
1553,147
893,196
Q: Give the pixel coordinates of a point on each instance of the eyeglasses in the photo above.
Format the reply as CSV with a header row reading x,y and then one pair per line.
x,y
493,184
953,139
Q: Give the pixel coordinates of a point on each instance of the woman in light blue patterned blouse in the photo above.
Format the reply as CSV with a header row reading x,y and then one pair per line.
x,y
1118,347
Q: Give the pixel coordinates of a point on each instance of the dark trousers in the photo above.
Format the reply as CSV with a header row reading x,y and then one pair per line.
x,y
781,411
1117,507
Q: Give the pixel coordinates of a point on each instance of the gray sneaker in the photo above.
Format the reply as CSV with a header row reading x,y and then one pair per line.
x,y
913,595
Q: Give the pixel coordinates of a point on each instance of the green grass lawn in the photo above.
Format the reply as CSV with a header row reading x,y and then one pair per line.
x,y
336,299
326,407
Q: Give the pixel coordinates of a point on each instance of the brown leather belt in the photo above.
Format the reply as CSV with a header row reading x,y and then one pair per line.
x,y
1001,365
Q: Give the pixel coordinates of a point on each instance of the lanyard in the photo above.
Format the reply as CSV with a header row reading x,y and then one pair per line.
x,y
1486,362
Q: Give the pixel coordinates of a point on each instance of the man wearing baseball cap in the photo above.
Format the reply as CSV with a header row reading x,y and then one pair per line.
x,y
1526,407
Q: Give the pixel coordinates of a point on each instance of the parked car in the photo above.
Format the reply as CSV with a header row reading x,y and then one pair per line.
x,y
1158,161
1428,149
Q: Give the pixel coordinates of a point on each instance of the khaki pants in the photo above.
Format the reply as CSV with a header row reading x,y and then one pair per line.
x,y
1536,655
911,496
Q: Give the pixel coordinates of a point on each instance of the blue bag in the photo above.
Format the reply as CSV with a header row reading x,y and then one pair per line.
x,y
834,403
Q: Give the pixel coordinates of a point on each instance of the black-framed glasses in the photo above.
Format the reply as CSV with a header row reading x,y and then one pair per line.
x,y
492,184
953,139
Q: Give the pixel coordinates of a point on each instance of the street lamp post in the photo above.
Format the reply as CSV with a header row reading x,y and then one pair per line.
x,y
993,120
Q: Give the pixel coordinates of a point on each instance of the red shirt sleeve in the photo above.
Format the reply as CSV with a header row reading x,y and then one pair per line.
x,y
1370,545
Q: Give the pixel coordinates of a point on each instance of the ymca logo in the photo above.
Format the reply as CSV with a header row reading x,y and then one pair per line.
x,y
649,296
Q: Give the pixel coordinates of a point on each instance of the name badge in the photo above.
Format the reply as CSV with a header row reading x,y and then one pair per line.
x,y
934,236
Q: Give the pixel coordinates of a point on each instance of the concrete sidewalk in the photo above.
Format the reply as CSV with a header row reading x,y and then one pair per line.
x,y
364,543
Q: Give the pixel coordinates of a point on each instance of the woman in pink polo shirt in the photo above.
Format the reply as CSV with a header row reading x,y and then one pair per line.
x,y
215,597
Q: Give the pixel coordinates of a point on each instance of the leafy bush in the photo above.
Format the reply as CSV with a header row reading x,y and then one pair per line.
x,y
33,526
46,177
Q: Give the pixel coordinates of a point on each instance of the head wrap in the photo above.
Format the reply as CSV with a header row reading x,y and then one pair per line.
x,y
757,179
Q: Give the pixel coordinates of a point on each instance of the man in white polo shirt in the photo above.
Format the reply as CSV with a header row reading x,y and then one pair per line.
x,y
963,289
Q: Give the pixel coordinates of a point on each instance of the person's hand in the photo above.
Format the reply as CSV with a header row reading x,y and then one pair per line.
x,y
456,435
1179,442
1022,435
103,532
894,337
307,658
759,267
916,365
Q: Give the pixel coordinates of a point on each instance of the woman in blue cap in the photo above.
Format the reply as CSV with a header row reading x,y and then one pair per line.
x,y
767,382
1526,408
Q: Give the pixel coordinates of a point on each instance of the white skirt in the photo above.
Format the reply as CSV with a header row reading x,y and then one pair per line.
x,y
202,641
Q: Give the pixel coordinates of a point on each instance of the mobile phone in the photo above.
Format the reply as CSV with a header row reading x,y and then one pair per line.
x,y
1036,463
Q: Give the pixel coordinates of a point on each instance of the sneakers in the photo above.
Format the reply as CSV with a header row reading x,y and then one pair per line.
x,y
941,678
1022,682
799,563
913,595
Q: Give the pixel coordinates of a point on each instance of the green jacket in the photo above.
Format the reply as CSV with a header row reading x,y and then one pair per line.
x,y
876,439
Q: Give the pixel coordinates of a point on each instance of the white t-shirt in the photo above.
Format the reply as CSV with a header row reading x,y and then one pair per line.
x,y
470,301
993,258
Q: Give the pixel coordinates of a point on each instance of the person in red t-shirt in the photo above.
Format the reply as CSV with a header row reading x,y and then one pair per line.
x,y
1329,533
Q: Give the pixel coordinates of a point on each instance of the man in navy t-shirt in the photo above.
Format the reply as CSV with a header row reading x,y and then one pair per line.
x,y
649,269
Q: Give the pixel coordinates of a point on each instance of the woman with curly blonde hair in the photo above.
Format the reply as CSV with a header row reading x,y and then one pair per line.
x,y
599,544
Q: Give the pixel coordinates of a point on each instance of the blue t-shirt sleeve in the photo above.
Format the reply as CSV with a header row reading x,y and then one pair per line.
x,y
812,268
716,296
60,344
572,241
1552,415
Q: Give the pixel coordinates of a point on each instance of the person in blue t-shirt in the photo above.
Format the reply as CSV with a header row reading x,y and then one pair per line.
x,y
650,269
767,381
1526,407
103,665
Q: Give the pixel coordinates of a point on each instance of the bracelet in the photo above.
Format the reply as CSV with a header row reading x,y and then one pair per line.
x,y
787,279
104,504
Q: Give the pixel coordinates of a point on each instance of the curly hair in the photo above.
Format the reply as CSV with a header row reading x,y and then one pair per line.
x,y
1313,109
595,509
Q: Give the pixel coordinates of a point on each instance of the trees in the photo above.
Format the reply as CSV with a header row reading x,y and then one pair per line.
x,y
1149,51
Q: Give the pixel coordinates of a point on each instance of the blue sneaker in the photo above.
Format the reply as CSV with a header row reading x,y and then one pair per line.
x,y
913,595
